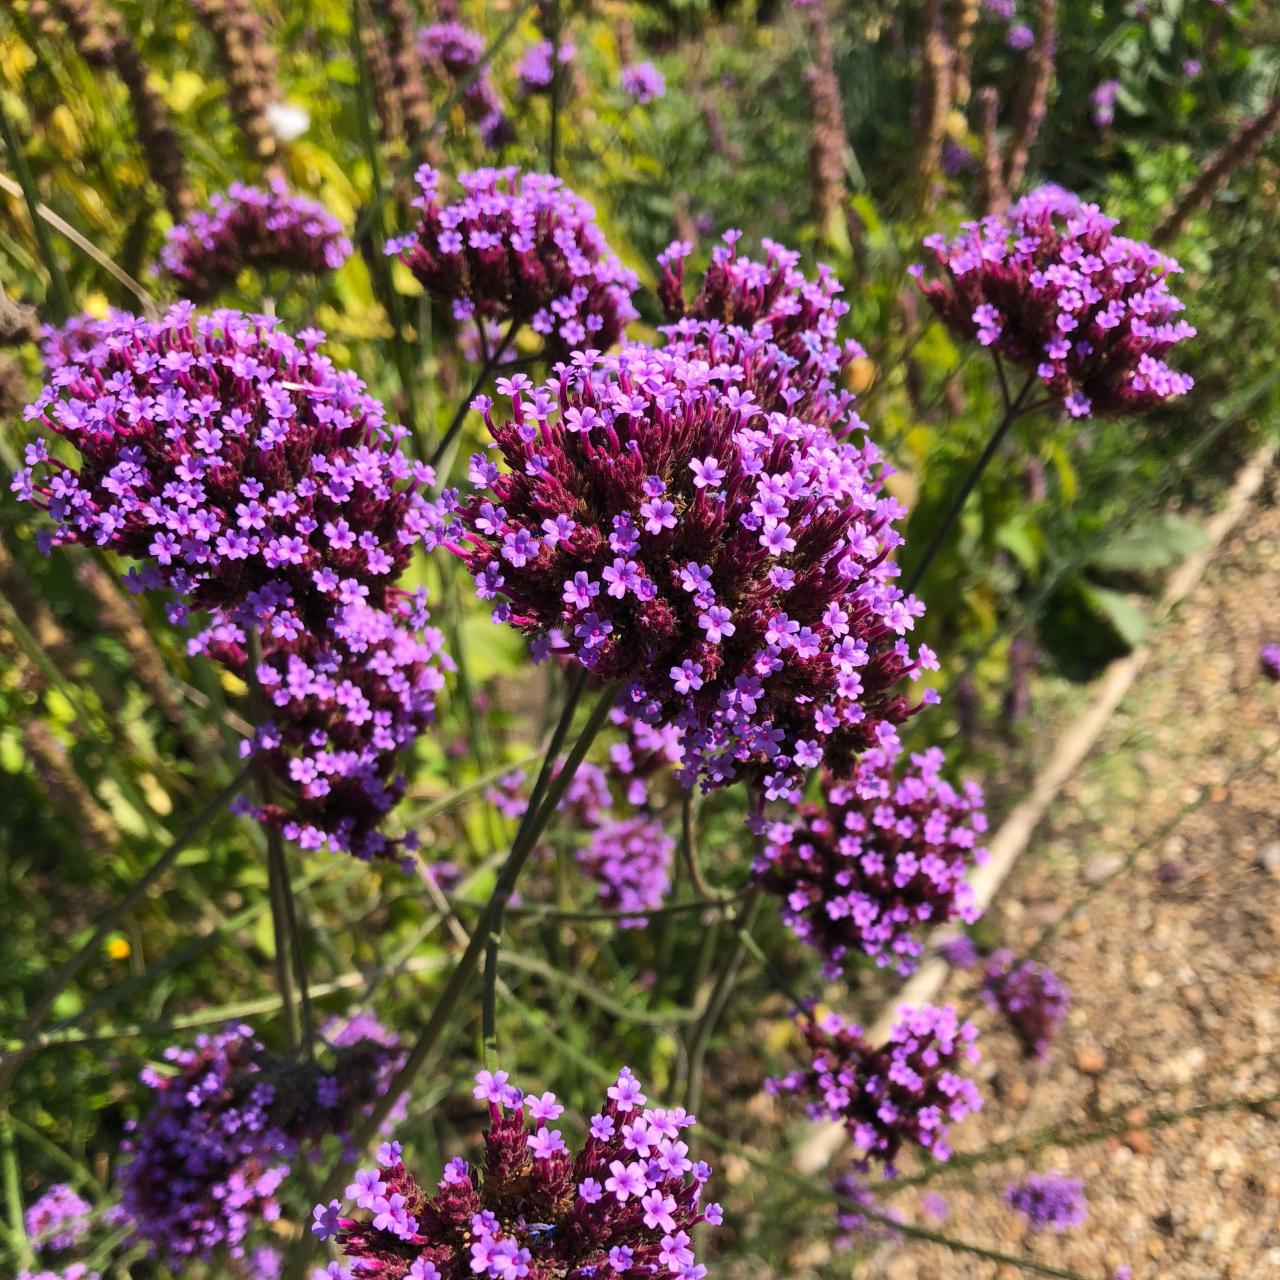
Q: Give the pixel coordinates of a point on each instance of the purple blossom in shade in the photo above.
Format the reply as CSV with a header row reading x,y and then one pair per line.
x,y
960,952
520,248
1020,37
454,54
643,82
935,1206
1029,995
1102,102
1048,1201
266,228
881,860
226,1122
1087,312
534,70
630,860
1269,656
757,614
533,1208
853,1225
58,1219
76,1271
265,489
1000,8
904,1091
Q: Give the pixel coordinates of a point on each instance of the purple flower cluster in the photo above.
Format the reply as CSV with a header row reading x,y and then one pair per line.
x,y
853,1224
1102,102
76,1271
728,564
263,487
534,71
904,1091
643,82
1029,995
624,1206
520,249
264,228
227,1119
1269,656
452,53
1087,312
1048,1201
630,860
884,857
58,1219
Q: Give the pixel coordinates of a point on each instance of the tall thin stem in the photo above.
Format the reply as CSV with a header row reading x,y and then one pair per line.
x,y
553,138
1012,411
464,405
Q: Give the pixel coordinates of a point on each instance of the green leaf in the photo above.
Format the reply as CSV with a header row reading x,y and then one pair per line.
x,y
1124,614
1150,546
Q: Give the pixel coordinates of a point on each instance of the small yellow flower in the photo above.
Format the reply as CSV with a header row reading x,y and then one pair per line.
x,y
118,948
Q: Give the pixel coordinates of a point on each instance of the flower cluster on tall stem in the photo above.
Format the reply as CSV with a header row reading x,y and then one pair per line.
x,y
227,1120
728,565
883,858
1030,996
266,228
624,1205
266,490
1050,288
453,53
519,249
1048,1201
905,1091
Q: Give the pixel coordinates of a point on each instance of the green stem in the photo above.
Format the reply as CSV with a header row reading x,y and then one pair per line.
x,y
464,405
13,1193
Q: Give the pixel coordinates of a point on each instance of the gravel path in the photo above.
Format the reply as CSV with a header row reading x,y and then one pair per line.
x,y
1174,967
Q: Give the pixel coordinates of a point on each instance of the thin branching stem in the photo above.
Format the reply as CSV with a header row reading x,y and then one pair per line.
x,y
440,452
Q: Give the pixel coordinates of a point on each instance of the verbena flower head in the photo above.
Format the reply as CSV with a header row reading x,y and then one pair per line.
x,y
905,1091
266,490
1048,1201
624,1205
960,952
453,53
1055,292
58,1219
729,565
770,319
1269,656
534,71
1102,102
226,1122
643,82
520,248
266,228
854,1226
1029,995
883,859
76,1271
630,861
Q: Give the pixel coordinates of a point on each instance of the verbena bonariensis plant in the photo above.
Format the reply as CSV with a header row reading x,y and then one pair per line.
x,y
1029,995
630,861
1087,312
643,82
520,249
881,859
535,72
905,1090
58,1219
265,228
266,490
226,1124
729,566
624,1205
1048,1201
454,54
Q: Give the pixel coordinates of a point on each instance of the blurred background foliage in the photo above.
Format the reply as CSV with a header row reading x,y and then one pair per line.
x,y
110,733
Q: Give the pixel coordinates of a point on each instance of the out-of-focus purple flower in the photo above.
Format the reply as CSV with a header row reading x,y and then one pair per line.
x,y
1087,312
904,1091
1191,67
854,1226
1000,8
520,248
453,53
956,159
630,860
644,82
884,858
960,952
1020,37
76,1271
1048,1201
534,70
1103,102
225,1125
1269,656
935,1206
268,229
58,1219
1029,995
263,487
623,1206
719,560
